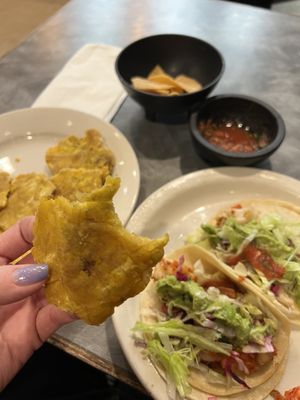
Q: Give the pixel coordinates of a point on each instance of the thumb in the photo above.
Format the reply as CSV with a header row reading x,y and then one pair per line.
x,y
20,281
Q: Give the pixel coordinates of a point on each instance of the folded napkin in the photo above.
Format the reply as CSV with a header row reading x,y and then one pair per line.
x,y
87,82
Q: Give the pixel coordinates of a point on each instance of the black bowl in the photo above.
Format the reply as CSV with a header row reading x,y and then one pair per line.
x,y
244,110
176,54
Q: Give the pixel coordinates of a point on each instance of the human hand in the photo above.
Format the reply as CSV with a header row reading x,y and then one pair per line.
x,y
26,319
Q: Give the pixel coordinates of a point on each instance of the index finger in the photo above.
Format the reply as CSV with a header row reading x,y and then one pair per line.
x,y
16,240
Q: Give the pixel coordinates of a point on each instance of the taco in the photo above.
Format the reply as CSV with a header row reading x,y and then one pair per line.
x,y
208,335
258,242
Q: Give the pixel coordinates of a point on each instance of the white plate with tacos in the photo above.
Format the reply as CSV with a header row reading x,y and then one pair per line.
x,y
180,208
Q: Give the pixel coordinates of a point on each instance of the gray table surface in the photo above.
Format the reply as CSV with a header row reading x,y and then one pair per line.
x,y
262,54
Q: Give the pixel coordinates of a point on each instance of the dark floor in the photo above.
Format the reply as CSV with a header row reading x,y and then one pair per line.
x,y
259,3
51,374
256,3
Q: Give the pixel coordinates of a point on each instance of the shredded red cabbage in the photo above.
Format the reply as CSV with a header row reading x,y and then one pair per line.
x,y
267,347
180,276
228,371
239,380
241,365
275,287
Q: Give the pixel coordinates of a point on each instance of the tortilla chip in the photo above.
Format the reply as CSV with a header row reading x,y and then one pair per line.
x,y
86,152
157,70
77,183
5,180
167,80
26,192
94,263
149,86
159,82
188,84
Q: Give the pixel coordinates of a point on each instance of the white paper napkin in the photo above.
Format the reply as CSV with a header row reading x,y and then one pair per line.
x,y
87,82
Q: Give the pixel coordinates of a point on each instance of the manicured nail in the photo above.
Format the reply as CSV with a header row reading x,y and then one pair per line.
x,y
30,274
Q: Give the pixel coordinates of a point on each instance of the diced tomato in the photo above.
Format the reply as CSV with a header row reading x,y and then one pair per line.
x,y
259,260
262,261
276,395
292,394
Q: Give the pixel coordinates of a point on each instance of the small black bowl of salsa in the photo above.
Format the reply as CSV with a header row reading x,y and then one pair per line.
x,y
236,130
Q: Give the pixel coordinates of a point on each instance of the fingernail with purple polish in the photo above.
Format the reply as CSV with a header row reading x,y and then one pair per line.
x,y
30,274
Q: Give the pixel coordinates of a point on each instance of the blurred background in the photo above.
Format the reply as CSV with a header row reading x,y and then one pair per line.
x,y
20,17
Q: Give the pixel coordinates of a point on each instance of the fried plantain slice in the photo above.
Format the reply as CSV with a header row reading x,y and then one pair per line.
x,y
76,183
86,152
94,263
24,197
5,180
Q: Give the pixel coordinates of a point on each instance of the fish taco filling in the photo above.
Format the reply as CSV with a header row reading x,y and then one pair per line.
x,y
203,324
263,247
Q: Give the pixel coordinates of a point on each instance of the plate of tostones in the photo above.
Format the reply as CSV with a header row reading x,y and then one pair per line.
x,y
51,152
95,264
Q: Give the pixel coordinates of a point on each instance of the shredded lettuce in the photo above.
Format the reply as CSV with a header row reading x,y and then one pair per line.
x,y
175,364
200,306
176,357
201,321
292,274
271,233
188,333
278,237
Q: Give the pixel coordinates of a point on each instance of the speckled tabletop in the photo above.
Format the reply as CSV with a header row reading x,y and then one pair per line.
x,y
262,54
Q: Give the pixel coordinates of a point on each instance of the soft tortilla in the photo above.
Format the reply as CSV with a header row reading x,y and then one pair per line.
x,y
263,206
261,382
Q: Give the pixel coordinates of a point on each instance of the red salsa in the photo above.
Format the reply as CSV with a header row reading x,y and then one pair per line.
x,y
232,136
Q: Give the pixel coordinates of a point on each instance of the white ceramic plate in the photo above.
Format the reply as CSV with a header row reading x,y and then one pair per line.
x,y
26,134
178,208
